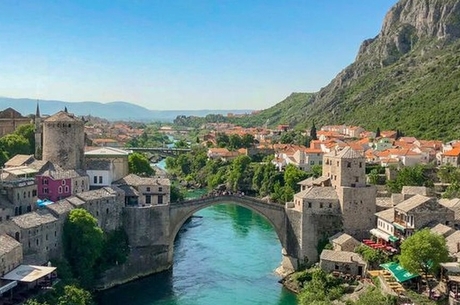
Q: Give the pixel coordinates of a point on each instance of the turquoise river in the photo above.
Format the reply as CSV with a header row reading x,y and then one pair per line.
x,y
225,255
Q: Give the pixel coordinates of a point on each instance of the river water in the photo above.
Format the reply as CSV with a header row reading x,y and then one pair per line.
x,y
225,255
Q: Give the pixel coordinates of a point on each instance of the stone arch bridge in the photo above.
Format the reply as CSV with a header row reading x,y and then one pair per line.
x,y
152,230
274,213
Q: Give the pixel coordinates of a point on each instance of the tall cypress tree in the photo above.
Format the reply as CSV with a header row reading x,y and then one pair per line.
x,y
313,132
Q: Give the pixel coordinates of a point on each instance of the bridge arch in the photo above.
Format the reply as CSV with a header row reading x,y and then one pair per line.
x,y
274,213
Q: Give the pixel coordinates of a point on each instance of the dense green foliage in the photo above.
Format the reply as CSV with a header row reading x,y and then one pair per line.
x,y
83,244
151,137
140,165
374,296
88,250
240,174
322,288
450,174
63,295
372,256
423,251
22,141
410,176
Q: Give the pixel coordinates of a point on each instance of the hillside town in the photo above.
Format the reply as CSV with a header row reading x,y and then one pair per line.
x,y
77,165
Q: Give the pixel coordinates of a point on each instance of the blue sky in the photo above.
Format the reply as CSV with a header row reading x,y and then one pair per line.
x,y
184,54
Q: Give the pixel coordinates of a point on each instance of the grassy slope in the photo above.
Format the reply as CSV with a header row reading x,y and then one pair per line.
x,y
419,94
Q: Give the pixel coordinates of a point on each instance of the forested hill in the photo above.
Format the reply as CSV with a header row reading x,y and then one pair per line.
x,y
407,78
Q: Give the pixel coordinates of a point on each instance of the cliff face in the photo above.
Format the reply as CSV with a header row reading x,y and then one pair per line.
x,y
410,21
407,68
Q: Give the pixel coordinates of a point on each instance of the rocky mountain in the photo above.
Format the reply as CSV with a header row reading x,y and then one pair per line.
x,y
110,111
407,77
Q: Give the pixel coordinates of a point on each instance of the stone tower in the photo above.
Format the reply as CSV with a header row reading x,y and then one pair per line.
x,y
38,134
64,140
346,169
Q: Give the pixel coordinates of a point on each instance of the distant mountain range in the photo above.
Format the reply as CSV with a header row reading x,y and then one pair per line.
x,y
111,111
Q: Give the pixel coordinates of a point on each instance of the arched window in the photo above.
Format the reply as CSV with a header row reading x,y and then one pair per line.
x,y
60,189
66,188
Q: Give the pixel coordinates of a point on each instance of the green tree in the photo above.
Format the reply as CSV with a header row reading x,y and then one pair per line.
x,y
373,257
35,302
409,176
14,144
176,194
292,176
235,142
374,176
83,243
423,252
116,248
75,296
140,165
239,173
247,140
377,133
313,132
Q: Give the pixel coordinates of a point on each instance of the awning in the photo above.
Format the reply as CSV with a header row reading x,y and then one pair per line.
x,y
8,286
393,238
398,272
399,227
28,273
451,267
380,234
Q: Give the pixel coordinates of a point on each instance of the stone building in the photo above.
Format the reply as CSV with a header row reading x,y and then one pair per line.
x,y
64,140
37,232
343,242
343,261
10,254
339,201
10,119
20,193
105,204
145,191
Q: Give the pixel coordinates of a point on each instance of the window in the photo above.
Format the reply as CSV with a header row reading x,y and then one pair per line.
x,y
28,194
160,189
348,164
312,162
34,193
330,205
60,189
95,179
45,181
321,205
360,164
107,211
148,199
24,194
66,188
356,179
45,190
148,188
309,204
63,182
338,163
100,179
160,199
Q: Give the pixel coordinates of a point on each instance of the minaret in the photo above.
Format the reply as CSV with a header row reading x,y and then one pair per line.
x,y
38,133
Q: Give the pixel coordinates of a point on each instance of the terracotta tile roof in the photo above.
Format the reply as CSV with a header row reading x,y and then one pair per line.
x,y
455,152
